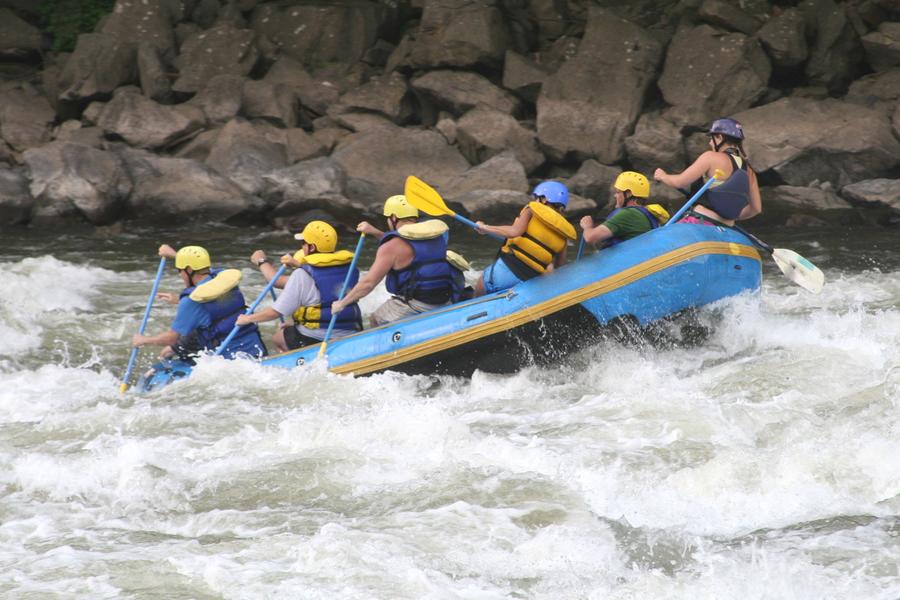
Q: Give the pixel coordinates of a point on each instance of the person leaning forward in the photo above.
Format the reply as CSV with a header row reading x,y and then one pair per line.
x,y
413,258
208,308
536,241
632,216
310,291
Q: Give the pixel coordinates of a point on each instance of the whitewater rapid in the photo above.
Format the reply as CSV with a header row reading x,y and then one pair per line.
x,y
763,463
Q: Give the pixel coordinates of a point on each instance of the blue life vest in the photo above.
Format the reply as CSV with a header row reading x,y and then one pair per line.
x,y
654,223
223,312
429,278
730,197
329,281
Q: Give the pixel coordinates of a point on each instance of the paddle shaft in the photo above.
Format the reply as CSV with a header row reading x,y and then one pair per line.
x,y
580,247
252,308
687,205
274,298
331,323
474,225
754,239
134,351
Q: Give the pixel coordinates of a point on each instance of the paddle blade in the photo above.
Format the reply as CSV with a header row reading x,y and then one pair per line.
x,y
123,388
425,198
799,270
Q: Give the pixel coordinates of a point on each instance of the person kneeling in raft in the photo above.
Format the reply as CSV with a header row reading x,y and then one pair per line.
x,y
414,258
310,291
632,216
536,241
208,307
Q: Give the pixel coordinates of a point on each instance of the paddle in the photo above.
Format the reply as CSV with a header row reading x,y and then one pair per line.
x,y
356,252
580,247
717,175
796,268
134,351
274,298
428,200
252,307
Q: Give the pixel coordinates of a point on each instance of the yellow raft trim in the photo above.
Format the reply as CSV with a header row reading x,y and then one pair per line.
x,y
537,311
220,285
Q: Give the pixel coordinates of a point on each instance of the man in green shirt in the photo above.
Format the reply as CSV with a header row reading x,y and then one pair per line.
x,y
632,215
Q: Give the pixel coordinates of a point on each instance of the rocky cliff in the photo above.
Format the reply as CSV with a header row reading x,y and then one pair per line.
x,y
282,111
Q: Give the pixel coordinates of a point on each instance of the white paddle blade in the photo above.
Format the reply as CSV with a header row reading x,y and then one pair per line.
x,y
799,270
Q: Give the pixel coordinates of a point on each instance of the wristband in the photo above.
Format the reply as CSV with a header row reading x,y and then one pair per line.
x,y
263,261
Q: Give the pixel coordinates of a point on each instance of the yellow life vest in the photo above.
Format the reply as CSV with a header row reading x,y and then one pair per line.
x,y
659,211
218,286
426,230
311,316
544,237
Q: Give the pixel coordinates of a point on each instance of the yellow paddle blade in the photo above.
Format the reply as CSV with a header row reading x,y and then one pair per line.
x,y
425,198
123,388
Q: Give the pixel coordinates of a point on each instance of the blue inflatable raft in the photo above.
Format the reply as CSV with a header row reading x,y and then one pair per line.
x,y
655,276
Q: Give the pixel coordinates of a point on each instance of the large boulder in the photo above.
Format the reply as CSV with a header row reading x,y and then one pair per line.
x,y
16,201
386,96
523,76
311,185
784,38
25,117
316,95
460,34
804,140
709,74
461,91
152,73
377,161
321,31
221,98
501,172
17,37
836,56
72,175
577,116
175,187
883,46
729,15
147,124
878,90
100,63
275,102
224,49
144,21
594,180
244,155
884,192
482,133
655,142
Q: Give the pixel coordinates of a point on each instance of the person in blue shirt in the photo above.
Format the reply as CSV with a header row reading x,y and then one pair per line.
x,y
208,307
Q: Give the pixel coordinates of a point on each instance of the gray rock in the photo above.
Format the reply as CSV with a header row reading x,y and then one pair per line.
x,y
461,91
708,74
523,76
315,94
147,124
836,56
878,90
72,175
75,132
655,143
176,187
100,63
198,147
244,155
482,133
805,140
460,34
379,160
447,128
501,172
491,206
577,117
17,37
274,102
784,38
152,73
224,49
144,21
25,117
308,180
885,192
221,98
329,137
386,96
728,15
883,46
594,181
16,201
805,198
361,121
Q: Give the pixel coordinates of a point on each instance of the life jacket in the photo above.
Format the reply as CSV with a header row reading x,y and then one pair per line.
x,y
429,278
223,311
729,197
328,270
544,237
656,215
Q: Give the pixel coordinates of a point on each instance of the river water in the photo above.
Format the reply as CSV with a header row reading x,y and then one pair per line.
x,y
764,463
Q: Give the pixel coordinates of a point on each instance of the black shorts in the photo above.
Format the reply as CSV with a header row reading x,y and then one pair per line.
x,y
293,339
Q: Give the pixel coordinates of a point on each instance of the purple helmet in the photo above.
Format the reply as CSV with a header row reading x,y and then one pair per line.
x,y
728,127
554,191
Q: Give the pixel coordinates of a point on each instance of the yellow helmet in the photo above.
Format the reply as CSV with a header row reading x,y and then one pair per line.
x,y
634,182
400,207
319,233
192,257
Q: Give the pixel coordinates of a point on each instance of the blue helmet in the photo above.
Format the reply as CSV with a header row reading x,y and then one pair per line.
x,y
554,191
728,127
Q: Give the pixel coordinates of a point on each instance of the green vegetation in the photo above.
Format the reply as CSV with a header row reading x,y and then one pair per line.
x,y
64,20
